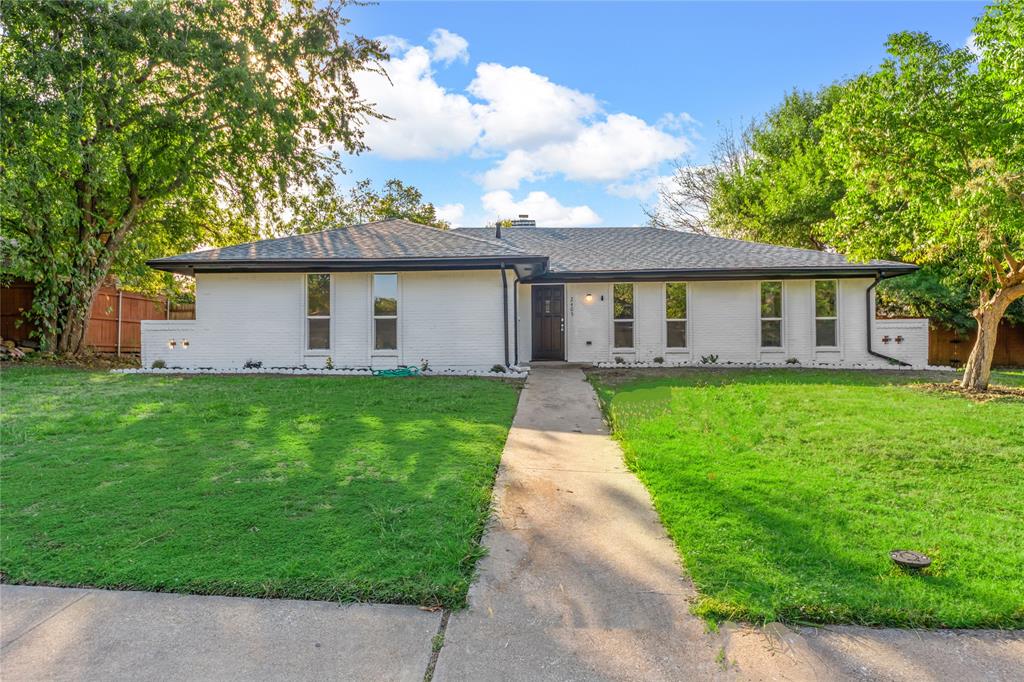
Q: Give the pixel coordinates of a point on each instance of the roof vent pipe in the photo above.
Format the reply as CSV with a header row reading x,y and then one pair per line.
x,y
497,229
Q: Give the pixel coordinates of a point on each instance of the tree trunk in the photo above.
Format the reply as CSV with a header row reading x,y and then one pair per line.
x,y
978,370
75,325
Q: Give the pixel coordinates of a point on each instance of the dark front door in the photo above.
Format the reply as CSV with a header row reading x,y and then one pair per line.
x,y
549,322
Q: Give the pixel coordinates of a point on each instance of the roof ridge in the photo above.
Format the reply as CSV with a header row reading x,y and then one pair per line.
x,y
454,232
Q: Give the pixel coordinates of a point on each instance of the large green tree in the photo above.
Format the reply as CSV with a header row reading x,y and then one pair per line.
x,y
783,193
141,127
931,151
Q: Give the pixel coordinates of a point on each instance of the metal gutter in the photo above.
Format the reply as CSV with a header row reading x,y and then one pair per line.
x,y
871,319
712,274
347,265
504,302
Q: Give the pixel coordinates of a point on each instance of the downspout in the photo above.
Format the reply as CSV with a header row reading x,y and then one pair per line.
x,y
504,303
871,319
515,318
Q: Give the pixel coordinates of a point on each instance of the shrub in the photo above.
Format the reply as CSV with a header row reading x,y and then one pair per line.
x,y
252,364
158,364
792,361
424,365
658,360
619,360
498,369
708,359
328,363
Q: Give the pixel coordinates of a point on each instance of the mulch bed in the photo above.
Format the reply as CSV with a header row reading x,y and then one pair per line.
x,y
993,392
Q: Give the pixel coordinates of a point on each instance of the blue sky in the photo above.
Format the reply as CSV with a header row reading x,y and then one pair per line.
x,y
573,111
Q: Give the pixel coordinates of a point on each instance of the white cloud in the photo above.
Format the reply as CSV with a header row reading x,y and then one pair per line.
x,y
451,213
448,46
541,127
540,206
642,188
609,150
394,44
427,121
524,109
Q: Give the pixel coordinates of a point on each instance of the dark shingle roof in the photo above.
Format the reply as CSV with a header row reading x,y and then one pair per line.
x,y
567,251
384,240
637,249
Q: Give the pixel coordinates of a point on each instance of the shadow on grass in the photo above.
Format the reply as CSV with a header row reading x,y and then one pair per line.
x,y
342,489
784,492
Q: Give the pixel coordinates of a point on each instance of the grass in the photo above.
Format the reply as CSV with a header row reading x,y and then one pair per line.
x,y
784,492
303,487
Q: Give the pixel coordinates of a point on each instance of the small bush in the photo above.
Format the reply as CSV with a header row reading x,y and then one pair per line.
x,y
659,360
424,365
328,363
619,360
158,364
252,364
708,359
792,361
498,369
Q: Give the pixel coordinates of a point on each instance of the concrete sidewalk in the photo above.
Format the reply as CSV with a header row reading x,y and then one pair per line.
x,y
51,633
582,583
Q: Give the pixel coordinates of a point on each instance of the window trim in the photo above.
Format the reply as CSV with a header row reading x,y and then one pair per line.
x,y
306,350
385,352
667,319
781,319
623,349
814,305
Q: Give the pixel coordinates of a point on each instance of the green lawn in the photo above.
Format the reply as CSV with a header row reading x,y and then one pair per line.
x,y
785,490
307,487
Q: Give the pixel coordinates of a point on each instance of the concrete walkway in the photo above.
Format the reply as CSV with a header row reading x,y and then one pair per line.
x,y
581,582
51,633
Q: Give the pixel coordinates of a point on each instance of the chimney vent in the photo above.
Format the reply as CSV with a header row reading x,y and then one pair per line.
x,y
523,220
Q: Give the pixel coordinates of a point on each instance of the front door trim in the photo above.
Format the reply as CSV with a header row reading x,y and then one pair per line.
x,y
548,344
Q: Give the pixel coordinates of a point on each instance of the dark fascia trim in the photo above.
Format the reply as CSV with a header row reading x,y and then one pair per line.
x,y
722,274
354,265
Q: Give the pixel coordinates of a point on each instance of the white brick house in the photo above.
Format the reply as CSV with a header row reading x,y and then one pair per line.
x,y
396,293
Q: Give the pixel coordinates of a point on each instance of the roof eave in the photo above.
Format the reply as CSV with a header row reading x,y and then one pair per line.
x,y
191,267
710,274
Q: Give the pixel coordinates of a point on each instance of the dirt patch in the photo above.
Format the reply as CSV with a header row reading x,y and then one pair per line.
x,y
88,361
993,392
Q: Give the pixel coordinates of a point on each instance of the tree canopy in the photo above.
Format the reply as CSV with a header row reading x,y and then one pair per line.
x,y
134,129
921,160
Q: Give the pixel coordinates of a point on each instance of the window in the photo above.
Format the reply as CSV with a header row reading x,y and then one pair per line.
x,y
385,312
675,314
826,319
318,311
622,314
771,314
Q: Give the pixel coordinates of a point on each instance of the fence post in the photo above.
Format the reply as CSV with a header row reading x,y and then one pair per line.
x,y
120,295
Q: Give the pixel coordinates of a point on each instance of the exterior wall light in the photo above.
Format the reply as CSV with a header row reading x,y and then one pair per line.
x,y
171,343
184,343
589,298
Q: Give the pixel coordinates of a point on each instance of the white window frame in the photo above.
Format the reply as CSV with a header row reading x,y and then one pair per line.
x,y
307,317
385,352
623,349
814,303
781,319
684,320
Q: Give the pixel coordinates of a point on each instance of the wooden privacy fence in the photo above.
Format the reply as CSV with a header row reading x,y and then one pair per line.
x,y
115,321
947,347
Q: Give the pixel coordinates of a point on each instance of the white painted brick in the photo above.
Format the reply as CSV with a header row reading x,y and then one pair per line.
x,y
453,319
